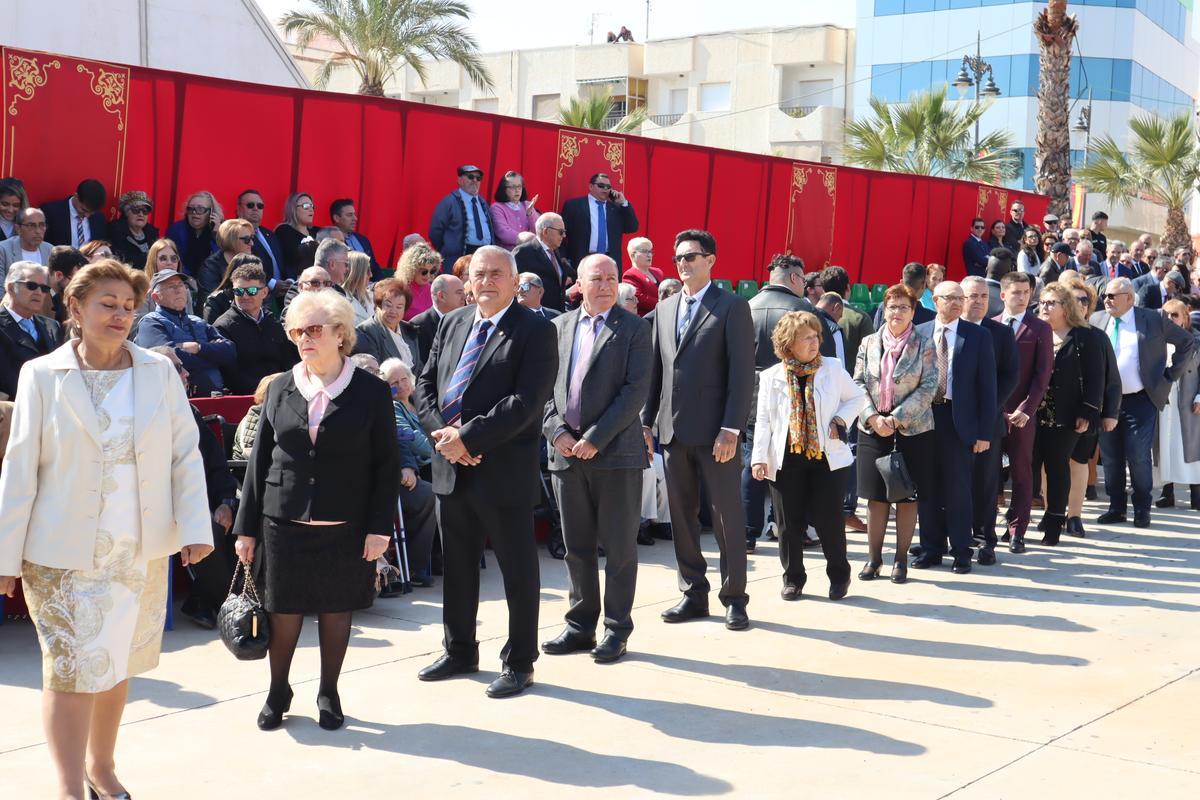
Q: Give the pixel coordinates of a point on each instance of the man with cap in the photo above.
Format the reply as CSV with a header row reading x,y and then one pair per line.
x,y
1060,257
1171,285
460,223
1051,224
203,351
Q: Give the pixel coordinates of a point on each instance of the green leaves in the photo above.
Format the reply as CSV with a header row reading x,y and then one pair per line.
x,y
593,112
1161,162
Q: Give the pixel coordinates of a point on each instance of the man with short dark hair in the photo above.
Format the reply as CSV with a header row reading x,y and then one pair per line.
x,y
64,262
345,216
262,346
1138,251
1155,295
24,333
448,294
1014,226
200,347
975,250
250,207
914,276
29,244
328,272
78,219
1095,233
460,223
596,222
813,287
1001,261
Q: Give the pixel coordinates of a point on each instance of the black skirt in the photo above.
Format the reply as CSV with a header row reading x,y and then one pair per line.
x,y
919,453
314,569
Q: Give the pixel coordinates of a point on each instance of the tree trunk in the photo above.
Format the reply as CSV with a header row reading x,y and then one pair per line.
x,y
371,89
1176,234
1052,160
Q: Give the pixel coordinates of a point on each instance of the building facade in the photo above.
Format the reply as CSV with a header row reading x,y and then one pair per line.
x,y
1133,57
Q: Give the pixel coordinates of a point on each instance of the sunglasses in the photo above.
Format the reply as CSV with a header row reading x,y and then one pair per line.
x,y
1110,296
255,206
140,210
249,290
316,284
246,239
424,272
689,257
473,176
198,209
305,206
312,331
977,227
34,286
603,185
1081,299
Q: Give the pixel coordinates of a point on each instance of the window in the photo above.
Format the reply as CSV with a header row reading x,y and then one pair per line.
x,y
677,101
885,82
545,106
714,97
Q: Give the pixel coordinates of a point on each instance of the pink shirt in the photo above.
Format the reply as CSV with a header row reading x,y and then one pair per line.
x,y
508,222
422,299
319,396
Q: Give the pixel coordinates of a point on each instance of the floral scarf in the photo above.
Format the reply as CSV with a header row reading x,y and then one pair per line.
x,y
893,348
802,418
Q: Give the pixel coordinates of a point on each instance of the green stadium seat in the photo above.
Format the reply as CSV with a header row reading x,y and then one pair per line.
x,y
859,293
877,293
747,288
724,284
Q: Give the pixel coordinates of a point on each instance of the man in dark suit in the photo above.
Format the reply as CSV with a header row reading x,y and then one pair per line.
x,y
448,294
914,277
24,333
1014,226
975,250
344,215
597,457
596,222
1153,296
964,407
985,478
482,394
543,258
1001,261
1085,262
1035,359
250,207
530,292
78,219
1158,270
700,396
1140,338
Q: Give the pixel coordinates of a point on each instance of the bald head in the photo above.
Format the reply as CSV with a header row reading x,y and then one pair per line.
x,y
314,279
599,281
948,297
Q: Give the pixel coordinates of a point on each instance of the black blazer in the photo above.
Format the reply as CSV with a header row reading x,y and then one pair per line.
x,y
16,347
975,253
1150,296
124,246
262,349
297,253
577,219
425,324
531,257
58,222
502,406
351,473
1077,380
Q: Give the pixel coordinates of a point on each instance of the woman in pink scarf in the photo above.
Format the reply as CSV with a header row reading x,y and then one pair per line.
x,y
897,368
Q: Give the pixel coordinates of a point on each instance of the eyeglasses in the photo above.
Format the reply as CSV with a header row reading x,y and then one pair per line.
x,y
317,284
246,239
950,298
898,309
977,227
1048,303
37,226
249,290
139,210
602,185
34,286
689,257
255,206
1082,299
305,206
557,230
311,331
198,209
643,252
1111,296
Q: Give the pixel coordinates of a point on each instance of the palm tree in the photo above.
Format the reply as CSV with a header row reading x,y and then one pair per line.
x,y
377,37
596,113
1161,162
929,135
1056,32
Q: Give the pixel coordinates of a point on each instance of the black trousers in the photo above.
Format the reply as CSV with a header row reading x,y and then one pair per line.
x,y
688,468
467,522
211,577
1056,445
420,524
985,485
945,513
600,507
808,492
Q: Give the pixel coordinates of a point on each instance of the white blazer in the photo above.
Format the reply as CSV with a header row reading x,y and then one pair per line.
x,y
50,482
835,394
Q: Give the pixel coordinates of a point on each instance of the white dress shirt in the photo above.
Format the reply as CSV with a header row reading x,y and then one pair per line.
x,y
951,338
1008,320
74,217
1127,352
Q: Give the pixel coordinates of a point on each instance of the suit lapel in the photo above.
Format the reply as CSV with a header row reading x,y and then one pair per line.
x,y
607,331
566,343
707,303
666,317
15,332
76,394
295,404
389,343
457,330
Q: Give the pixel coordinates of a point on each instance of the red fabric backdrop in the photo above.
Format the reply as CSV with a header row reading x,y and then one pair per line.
x,y
172,134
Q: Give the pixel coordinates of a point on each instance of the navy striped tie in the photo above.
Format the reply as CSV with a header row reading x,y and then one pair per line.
x,y
452,399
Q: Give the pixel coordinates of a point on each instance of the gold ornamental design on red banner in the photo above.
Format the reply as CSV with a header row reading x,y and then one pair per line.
x,y
991,198
110,88
582,154
25,75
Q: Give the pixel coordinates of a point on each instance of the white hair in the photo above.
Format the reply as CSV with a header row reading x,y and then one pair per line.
x,y
20,270
410,240
385,369
546,220
1120,285
972,279
636,242
499,252
626,293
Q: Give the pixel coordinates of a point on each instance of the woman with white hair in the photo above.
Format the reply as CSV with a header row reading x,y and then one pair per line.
x,y
627,298
319,497
644,278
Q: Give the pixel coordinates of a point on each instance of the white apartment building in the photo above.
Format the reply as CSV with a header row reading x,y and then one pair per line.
x,y
778,91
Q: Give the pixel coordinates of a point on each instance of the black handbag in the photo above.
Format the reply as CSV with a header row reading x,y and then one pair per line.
x,y
242,622
896,477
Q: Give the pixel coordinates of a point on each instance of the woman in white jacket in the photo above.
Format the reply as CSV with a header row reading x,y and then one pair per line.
x,y
805,403
101,483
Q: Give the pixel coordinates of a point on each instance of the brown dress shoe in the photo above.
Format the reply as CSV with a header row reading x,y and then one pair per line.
x,y
853,523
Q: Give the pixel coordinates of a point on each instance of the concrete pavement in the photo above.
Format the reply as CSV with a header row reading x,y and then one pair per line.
x,y
1062,672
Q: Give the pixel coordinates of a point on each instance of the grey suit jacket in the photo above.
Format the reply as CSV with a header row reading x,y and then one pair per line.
x,y
10,253
614,390
375,339
1154,333
703,382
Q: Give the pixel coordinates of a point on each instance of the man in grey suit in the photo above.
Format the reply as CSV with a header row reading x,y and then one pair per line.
x,y
1140,338
699,396
597,457
29,244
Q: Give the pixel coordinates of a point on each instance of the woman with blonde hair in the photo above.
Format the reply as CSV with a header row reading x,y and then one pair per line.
x,y
358,276
164,254
195,232
297,234
234,237
418,266
101,483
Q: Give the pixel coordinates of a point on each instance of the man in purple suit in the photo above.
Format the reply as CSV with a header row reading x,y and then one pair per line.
x,y
1035,354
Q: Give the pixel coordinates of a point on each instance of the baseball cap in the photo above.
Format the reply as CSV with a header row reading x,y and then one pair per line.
x,y
465,168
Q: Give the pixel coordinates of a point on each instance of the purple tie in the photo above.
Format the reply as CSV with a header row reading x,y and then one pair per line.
x,y
579,370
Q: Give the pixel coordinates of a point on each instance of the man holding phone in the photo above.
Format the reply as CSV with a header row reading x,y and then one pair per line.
x,y
596,222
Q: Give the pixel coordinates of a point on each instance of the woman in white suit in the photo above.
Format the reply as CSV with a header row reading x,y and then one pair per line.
x,y
805,403
101,483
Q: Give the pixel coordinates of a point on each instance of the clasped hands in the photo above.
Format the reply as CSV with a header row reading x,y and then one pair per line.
x,y
448,442
566,444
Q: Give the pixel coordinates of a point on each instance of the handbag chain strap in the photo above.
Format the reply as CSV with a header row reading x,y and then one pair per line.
x,y
248,587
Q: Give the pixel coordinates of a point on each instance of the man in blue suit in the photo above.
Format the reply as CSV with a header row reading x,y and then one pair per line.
x,y
975,250
344,215
964,413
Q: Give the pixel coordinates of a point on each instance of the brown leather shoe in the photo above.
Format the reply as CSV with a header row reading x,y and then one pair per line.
x,y
853,523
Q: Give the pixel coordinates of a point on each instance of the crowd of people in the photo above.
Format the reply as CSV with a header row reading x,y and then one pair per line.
x,y
516,363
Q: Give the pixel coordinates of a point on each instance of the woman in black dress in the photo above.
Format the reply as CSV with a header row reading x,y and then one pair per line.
x,y
320,496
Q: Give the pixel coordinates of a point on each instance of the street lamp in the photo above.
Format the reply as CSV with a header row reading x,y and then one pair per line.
x,y
971,74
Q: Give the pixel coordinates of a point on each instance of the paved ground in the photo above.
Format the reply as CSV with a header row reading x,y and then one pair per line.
x,y
1069,672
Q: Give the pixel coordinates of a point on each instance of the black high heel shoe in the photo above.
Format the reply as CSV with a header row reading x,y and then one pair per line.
x,y
330,708
271,717
899,572
96,794
871,571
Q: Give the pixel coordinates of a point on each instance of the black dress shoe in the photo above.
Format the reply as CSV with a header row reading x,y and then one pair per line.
x,y
329,709
447,667
961,566
1007,537
557,549
1195,493
685,609
914,550
1075,527
736,618
661,530
1090,493
510,683
203,617
271,716
1141,519
569,641
871,571
1167,499
809,541
838,590
1109,517
790,592
421,581
96,794
1017,546
899,572
751,544
611,648
987,557
925,562
644,536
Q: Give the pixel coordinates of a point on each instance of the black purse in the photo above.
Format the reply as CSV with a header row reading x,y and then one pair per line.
x,y
241,621
896,477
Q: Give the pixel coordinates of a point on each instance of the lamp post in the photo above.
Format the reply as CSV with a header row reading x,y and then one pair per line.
x,y
971,74
1084,125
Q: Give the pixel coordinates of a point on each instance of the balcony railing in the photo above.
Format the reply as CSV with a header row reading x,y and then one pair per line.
x,y
797,112
611,121
665,120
